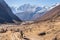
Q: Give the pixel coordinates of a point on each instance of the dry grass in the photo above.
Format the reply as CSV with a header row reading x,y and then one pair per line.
x,y
37,31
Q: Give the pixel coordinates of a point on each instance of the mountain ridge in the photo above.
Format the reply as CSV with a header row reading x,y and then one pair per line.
x,y
51,13
6,14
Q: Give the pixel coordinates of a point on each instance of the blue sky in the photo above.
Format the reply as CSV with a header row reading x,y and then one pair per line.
x,y
17,3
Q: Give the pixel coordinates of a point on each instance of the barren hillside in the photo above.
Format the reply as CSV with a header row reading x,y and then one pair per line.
x,y
50,14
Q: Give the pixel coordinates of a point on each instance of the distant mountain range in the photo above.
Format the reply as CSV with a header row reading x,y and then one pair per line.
x,y
28,12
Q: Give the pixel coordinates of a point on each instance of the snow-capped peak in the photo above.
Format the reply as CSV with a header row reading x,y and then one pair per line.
x,y
54,5
25,7
57,4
